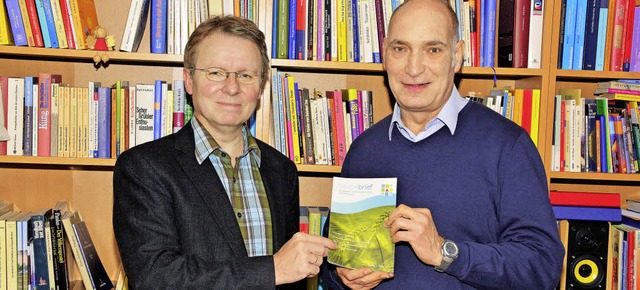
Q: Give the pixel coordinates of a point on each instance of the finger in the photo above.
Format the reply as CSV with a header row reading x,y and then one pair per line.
x,y
400,211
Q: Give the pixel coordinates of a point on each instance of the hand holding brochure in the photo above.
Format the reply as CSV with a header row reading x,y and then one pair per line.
x,y
359,208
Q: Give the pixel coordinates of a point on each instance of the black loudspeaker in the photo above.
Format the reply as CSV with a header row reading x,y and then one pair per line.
x,y
587,258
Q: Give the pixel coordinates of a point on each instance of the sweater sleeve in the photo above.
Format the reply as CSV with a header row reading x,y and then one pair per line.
x,y
528,254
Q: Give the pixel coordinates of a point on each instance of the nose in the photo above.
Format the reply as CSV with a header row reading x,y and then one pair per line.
x,y
231,85
415,64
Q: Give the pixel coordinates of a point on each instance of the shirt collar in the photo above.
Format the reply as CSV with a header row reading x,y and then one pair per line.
x,y
448,115
206,144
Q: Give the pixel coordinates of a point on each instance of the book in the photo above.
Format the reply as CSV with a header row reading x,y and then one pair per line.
x,y
587,213
135,25
39,241
535,34
179,100
85,20
5,27
67,22
359,208
44,111
104,122
15,115
68,219
97,273
571,198
157,109
15,20
59,246
159,26
633,205
521,33
144,113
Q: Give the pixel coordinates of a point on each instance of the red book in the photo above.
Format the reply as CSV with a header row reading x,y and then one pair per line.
x,y
571,198
35,23
68,27
340,149
627,37
619,23
521,33
4,91
527,106
44,111
563,142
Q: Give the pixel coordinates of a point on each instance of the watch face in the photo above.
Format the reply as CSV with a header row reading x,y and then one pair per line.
x,y
450,248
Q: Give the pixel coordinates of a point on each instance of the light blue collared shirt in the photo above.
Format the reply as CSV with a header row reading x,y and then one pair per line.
x,y
447,116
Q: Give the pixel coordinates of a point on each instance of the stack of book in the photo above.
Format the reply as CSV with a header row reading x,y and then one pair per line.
x,y
600,134
34,246
589,206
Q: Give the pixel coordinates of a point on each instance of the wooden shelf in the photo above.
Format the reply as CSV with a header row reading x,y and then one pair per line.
x,y
67,54
39,160
319,168
595,75
595,176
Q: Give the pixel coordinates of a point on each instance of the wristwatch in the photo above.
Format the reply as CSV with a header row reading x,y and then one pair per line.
x,y
449,254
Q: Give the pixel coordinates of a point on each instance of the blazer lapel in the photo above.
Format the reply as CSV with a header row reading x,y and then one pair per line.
x,y
210,188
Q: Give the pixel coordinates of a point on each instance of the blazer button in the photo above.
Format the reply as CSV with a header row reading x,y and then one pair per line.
x,y
239,215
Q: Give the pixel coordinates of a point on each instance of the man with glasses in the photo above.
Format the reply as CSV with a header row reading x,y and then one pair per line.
x,y
211,207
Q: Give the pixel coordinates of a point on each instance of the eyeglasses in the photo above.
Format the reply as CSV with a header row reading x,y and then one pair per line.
x,y
218,75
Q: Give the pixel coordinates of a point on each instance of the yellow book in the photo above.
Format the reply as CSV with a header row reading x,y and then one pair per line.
x,y
5,27
55,119
66,126
341,11
3,247
61,113
25,21
518,97
11,228
315,221
59,24
85,20
73,122
68,219
295,140
535,116
621,97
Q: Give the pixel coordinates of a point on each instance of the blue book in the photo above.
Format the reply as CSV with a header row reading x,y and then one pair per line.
x,y
569,34
603,143
157,110
274,30
458,11
159,26
39,243
300,36
578,45
27,130
490,34
44,28
587,213
482,20
15,19
48,15
292,29
104,122
356,31
591,34
602,34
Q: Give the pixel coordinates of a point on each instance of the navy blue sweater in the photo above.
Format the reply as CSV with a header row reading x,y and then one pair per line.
x,y
486,188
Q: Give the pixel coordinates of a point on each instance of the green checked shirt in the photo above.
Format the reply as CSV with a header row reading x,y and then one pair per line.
x,y
244,187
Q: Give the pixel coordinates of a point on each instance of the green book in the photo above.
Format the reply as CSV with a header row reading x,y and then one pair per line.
x,y
359,208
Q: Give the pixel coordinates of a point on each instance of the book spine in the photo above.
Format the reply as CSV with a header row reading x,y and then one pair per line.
x,y
56,11
50,24
157,110
592,21
616,61
521,33
356,30
66,22
602,35
179,100
5,25
490,32
308,128
379,21
578,45
292,29
15,19
44,112
159,27
40,252
27,130
300,29
634,64
104,122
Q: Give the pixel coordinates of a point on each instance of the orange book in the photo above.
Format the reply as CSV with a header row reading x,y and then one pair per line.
x,y
85,20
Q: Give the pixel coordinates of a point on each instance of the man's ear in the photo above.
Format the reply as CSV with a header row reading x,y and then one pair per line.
x,y
188,81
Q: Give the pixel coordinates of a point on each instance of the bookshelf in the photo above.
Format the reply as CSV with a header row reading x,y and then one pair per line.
x,y
34,182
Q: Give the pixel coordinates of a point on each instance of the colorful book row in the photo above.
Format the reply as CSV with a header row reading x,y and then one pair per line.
x,y
45,117
47,23
317,127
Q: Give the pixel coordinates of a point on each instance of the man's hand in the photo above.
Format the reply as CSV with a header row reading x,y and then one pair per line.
x,y
416,227
363,278
301,257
